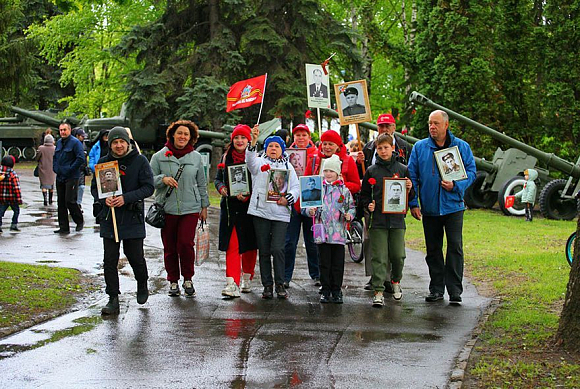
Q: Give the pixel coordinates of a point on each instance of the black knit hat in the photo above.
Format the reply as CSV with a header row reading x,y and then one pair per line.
x,y
118,133
8,161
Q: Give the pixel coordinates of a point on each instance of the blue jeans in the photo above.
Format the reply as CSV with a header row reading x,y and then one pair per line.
x,y
292,237
15,209
80,194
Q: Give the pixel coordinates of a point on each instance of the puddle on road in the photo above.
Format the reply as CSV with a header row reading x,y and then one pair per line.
x,y
373,336
85,324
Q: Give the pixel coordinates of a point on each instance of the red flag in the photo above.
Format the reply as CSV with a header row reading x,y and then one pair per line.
x,y
510,201
245,93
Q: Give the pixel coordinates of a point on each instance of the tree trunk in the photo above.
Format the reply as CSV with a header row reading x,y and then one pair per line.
x,y
568,335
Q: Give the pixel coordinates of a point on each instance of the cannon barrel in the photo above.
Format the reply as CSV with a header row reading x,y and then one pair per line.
x,y
548,158
13,119
481,164
42,118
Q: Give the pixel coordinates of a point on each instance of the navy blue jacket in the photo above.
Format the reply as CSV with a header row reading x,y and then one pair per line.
x,y
137,185
436,201
69,156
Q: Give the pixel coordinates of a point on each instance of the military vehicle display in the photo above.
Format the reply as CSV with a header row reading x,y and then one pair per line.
x,y
504,176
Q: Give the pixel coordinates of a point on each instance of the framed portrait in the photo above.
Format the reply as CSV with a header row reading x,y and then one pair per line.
x,y
277,184
205,164
353,103
317,87
297,158
450,164
108,179
238,182
310,191
395,195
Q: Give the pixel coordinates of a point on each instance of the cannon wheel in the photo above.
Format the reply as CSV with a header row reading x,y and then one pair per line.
x,y
475,198
29,153
15,152
553,206
511,187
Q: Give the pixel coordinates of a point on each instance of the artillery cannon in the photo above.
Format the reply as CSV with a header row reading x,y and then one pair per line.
x,y
505,176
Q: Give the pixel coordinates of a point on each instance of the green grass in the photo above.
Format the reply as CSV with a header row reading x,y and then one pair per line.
x,y
28,292
524,265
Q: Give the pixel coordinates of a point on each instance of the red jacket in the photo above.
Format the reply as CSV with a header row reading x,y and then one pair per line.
x,y
10,187
349,170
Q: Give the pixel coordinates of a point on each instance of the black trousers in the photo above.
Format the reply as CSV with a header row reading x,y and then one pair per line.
x,y
271,236
67,192
445,272
133,249
331,264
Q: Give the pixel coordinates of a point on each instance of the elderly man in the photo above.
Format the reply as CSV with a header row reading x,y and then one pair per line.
x,y
137,185
442,208
386,124
318,89
353,107
69,156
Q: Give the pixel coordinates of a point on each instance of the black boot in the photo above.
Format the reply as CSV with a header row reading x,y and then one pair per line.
x,y
49,197
112,307
45,196
142,292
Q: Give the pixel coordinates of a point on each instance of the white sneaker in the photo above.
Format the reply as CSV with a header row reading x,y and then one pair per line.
x,y
231,289
378,299
173,289
397,291
246,283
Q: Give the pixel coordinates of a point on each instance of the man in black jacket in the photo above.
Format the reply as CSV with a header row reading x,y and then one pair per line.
x,y
136,185
68,159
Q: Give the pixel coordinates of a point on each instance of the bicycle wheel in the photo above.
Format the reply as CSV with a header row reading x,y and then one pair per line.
x,y
355,244
570,248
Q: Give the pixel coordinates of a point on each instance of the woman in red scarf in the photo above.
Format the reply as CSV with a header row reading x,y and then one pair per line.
x,y
236,237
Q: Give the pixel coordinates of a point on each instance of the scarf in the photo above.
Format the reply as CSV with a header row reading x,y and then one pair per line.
x,y
178,153
238,157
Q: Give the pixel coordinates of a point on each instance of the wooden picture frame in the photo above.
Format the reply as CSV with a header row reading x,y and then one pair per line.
x,y
317,87
277,185
108,179
297,158
395,196
310,191
353,104
238,180
450,164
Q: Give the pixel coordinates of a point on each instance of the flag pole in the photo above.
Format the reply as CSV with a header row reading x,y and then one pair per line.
x,y
263,95
319,124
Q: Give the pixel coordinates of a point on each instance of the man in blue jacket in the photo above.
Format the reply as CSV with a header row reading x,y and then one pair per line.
x,y
69,156
442,207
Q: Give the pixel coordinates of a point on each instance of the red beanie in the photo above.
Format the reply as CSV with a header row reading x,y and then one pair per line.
x,y
331,136
244,130
301,127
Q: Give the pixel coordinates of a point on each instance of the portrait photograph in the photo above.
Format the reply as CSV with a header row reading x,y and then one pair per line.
x,y
394,195
238,182
310,191
297,158
108,179
317,87
277,184
352,102
450,164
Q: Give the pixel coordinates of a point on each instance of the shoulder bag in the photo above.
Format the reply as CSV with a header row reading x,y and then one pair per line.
x,y
156,214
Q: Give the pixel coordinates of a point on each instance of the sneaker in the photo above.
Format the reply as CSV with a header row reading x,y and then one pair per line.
x,y
189,289
434,296
337,297
268,292
80,226
246,283
397,291
281,291
286,285
174,289
378,299
317,282
14,228
368,285
455,299
231,290
325,298
142,292
112,307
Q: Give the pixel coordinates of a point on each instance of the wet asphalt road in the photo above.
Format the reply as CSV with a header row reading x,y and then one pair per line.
x,y
208,342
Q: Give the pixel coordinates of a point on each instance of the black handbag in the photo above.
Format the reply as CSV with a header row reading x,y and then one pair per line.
x,y
35,172
156,214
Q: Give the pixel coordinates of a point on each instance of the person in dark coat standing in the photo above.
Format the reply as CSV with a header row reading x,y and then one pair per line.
x,y
68,159
137,185
236,237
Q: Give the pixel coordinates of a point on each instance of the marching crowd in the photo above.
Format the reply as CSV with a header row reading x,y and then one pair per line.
x,y
256,225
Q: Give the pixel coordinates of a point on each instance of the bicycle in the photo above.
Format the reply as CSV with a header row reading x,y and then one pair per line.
x,y
570,248
355,240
